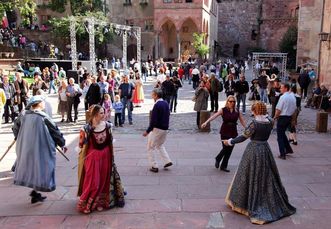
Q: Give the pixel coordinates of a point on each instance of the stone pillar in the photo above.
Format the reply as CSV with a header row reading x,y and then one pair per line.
x,y
178,46
204,116
125,47
157,41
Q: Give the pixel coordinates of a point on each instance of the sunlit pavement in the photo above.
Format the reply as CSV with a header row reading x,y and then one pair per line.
x,y
188,195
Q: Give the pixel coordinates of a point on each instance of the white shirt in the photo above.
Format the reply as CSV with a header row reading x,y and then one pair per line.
x,y
195,71
287,104
161,78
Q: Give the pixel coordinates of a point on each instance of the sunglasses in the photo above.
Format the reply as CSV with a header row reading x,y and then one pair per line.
x,y
231,101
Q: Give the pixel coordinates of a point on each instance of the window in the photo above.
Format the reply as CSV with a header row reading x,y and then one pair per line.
x,y
189,1
167,1
127,3
178,1
149,26
129,22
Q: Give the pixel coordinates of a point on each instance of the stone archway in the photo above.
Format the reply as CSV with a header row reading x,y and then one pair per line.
x,y
168,41
187,29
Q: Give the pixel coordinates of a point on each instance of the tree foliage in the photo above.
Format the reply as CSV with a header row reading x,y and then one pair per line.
x,y
198,43
25,7
288,45
61,27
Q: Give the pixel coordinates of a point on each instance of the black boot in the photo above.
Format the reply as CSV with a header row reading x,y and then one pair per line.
x,y
36,197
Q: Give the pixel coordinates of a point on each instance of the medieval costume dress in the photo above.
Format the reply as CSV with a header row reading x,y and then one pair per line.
x,y
138,95
36,139
99,182
256,190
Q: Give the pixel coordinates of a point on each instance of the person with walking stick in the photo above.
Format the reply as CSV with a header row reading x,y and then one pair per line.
x,y
35,163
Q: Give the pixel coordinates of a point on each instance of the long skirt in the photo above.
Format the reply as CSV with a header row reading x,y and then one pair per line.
x,y
96,186
138,96
256,190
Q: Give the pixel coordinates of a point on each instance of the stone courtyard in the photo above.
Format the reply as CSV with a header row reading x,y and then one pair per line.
x,y
189,195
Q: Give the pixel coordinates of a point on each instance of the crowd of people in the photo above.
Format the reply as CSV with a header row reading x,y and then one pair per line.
x,y
260,195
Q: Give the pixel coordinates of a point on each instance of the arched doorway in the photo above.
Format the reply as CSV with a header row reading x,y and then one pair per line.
x,y
186,38
168,41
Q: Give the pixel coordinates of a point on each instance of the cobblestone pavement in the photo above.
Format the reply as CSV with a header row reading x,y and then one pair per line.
x,y
188,195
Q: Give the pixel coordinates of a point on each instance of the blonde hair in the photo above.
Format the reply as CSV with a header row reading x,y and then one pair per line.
x,y
106,96
228,98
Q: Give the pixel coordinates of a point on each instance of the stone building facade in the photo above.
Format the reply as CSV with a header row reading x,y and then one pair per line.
x,y
238,26
314,18
254,24
277,17
167,26
325,47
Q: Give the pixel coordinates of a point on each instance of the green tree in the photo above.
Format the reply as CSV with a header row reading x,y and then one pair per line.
x,y
61,26
25,7
198,43
288,45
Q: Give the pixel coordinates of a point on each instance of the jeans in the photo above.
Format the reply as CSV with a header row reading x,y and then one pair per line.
x,y
145,75
173,102
72,104
51,86
126,104
117,119
214,101
167,98
241,97
282,124
225,155
9,111
22,102
263,95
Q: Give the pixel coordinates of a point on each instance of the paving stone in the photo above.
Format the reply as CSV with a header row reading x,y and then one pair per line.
x,y
79,221
34,222
150,192
202,191
189,194
320,189
204,205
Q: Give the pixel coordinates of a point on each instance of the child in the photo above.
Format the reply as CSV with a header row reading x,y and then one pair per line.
x,y
107,106
118,106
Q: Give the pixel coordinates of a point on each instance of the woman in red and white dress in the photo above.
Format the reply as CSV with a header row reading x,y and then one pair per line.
x,y
138,96
100,186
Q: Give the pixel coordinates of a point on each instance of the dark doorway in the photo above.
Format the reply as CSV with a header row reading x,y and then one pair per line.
x,y
132,52
236,50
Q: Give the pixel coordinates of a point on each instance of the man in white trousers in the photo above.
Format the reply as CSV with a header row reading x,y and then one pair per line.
x,y
157,131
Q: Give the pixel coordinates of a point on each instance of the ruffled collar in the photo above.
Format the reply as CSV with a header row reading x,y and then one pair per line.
x,y
261,118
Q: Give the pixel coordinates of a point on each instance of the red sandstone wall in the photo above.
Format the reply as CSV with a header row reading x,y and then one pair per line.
x,y
277,17
325,64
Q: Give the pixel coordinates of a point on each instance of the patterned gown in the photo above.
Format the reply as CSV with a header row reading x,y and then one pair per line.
x,y
256,190
99,182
